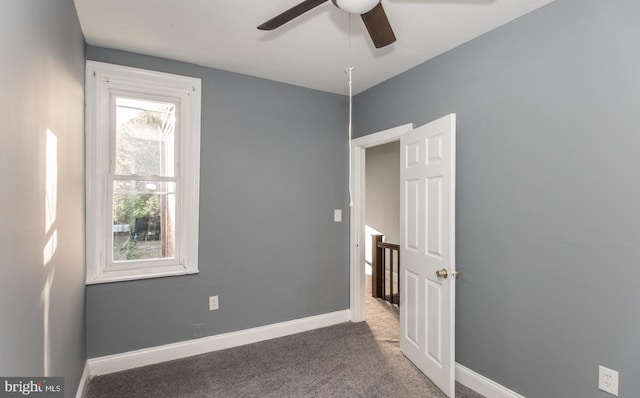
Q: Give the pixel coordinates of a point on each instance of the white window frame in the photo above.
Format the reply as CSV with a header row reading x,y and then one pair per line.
x,y
101,80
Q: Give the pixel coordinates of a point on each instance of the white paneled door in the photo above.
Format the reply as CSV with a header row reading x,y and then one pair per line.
x,y
427,250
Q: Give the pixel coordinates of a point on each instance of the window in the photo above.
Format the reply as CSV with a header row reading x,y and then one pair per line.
x,y
143,166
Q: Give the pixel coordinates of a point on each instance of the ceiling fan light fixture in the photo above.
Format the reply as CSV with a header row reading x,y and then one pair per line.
x,y
356,6
371,11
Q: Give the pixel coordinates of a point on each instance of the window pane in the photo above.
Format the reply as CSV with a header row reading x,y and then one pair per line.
x,y
143,220
145,137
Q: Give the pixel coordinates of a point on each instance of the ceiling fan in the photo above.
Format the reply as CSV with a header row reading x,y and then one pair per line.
x,y
371,12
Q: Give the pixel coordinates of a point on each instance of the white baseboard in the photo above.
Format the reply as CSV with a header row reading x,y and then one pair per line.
x,y
483,385
148,356
84,381
169,352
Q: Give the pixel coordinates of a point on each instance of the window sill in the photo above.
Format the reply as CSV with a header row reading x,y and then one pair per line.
x,y
131,275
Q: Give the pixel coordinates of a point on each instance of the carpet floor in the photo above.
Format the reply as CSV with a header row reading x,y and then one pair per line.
x,y
346,360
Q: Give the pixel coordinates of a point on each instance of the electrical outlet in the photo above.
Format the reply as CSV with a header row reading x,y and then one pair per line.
x,y
608,380
213,303
197,330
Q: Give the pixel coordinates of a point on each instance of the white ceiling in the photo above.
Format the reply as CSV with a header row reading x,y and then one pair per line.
x,y
310,51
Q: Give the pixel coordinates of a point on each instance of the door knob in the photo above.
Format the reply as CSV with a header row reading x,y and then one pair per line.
x,y
443,273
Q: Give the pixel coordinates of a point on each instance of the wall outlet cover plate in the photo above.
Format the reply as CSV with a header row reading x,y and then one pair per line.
x,y
608,380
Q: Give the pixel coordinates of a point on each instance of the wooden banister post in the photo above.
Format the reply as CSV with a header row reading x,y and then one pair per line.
x,y
377,266
399,276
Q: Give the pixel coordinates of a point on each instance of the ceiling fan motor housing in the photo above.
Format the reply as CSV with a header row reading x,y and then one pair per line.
x,y
355,6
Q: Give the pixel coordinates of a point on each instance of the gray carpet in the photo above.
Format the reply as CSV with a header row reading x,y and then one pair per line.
x,y
345,360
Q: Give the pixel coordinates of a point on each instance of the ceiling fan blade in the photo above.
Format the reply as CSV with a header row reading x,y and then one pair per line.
x,y
378,26
290,14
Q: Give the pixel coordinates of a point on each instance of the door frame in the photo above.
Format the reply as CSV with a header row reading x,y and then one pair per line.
x,y
357,214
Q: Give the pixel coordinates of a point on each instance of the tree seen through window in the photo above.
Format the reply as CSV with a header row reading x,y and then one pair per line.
x,y
143,193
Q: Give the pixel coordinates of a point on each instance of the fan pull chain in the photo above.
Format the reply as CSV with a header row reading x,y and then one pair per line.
x,y
349,70
350,129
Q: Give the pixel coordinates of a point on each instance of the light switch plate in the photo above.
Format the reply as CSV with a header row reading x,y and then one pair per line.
x,y
337,215
213,303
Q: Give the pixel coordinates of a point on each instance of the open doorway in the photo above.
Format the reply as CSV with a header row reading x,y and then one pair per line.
x,y
381,241
359,236
382,221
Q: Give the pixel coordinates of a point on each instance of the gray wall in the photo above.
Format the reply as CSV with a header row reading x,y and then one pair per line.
x,y
274,166
42,275
548,192
383,190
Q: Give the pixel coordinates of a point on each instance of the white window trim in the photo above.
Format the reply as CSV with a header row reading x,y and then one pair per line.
x,y
100,78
